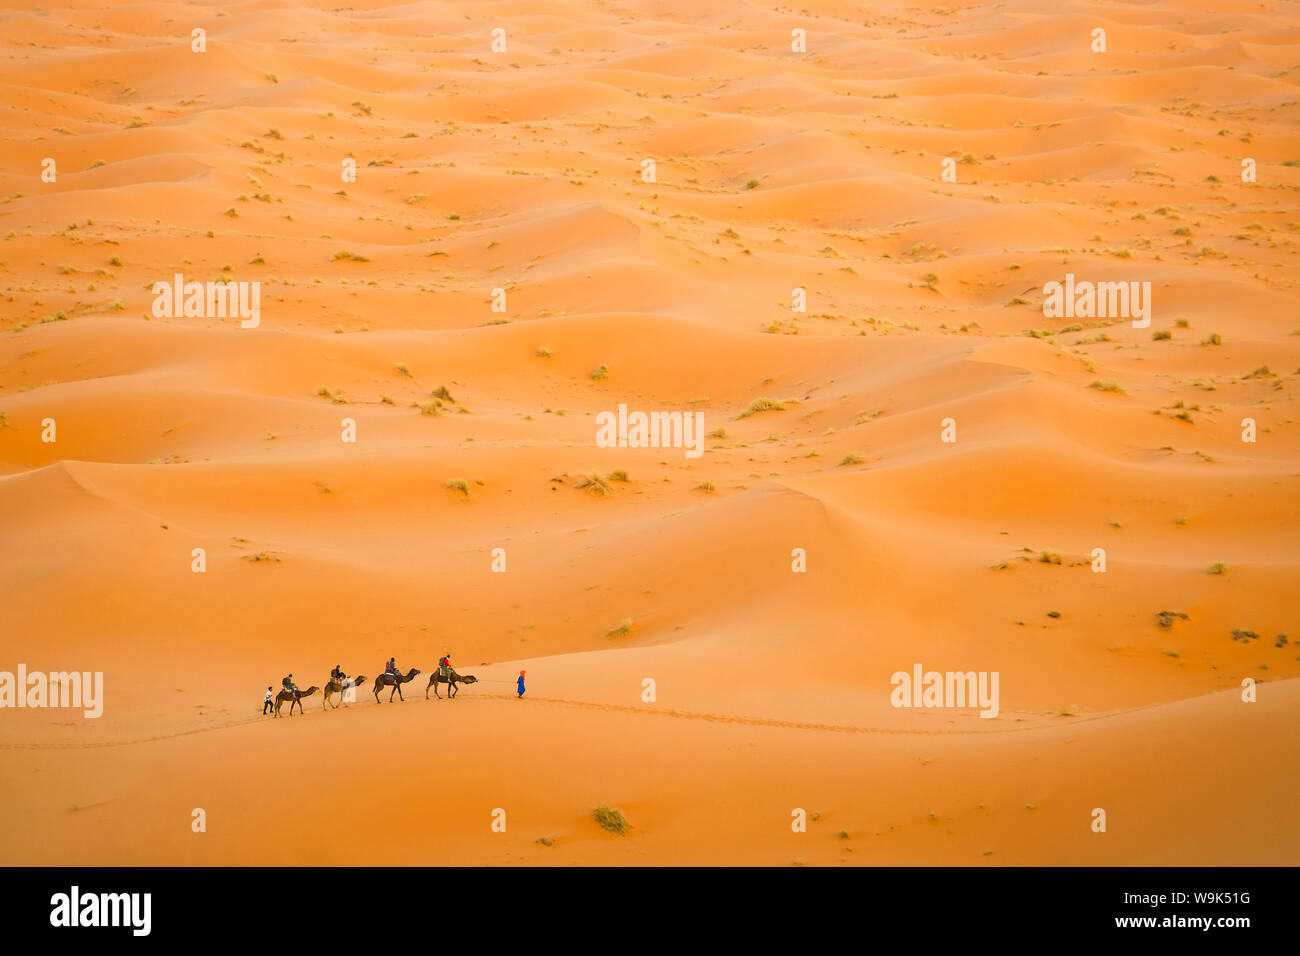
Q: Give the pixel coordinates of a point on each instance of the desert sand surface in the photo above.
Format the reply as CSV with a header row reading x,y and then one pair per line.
x,y
774,170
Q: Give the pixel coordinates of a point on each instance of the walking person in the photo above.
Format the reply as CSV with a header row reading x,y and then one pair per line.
x,y
520,682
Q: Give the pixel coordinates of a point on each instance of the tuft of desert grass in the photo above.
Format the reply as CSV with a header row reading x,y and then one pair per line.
x,y
458,484
596,483
621,629
767,405
610,819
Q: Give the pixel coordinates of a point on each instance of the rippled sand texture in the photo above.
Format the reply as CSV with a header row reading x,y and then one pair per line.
x,y
522,171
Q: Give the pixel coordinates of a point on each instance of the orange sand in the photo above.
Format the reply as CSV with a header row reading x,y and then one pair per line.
x,y
522,171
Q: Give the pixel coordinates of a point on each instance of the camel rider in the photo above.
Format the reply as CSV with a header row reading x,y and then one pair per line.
x,y
289,685
444,666
391,667
337,674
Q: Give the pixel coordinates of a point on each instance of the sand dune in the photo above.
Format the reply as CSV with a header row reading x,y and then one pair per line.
x,y
501,271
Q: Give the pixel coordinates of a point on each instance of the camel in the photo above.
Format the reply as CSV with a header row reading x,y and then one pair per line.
x,y
341,688
388,680
452,678
284,695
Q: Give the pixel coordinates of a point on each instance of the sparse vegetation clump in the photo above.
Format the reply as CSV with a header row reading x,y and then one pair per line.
x,y
1106,385
851,459
458,484
1218,567
344,254
621,629
1049,557
706,486
596,483
767,405
601,371
610,819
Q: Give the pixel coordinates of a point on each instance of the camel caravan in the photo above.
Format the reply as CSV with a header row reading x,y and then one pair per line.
x,y
343,687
